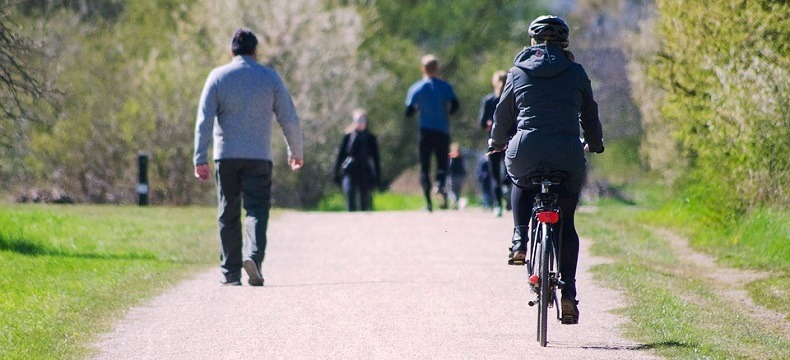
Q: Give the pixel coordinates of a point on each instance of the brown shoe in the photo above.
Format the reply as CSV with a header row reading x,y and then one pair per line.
x,y
256,279
518,258
570,311
518,251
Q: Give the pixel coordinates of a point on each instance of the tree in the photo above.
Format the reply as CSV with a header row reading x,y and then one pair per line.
x,y
23,90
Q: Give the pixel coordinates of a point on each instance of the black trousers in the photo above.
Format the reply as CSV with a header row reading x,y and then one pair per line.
x,y
358,191
242,183
523,200
437,144
495,168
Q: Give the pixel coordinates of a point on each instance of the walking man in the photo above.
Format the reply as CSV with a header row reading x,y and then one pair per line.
x,y
435,100
236,106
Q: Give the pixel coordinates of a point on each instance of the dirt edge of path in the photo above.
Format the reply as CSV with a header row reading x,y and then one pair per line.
x,y
729,283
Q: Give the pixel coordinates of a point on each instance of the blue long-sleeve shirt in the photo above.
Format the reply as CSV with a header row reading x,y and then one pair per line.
x,y
435,100
236,108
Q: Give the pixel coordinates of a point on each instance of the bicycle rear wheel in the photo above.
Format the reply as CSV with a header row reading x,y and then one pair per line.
x,y
545,283
536,234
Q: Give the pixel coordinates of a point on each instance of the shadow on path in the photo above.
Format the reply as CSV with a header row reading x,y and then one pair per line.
x,y
626,347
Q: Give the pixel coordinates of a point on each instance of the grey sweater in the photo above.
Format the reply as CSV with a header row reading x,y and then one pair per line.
x,y
236,106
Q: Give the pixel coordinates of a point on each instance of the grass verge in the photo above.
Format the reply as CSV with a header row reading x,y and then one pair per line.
x,y
382,201
757,240
674,309
70,270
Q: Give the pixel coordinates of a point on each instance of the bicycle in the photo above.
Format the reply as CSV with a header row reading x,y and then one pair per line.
x,y
545,236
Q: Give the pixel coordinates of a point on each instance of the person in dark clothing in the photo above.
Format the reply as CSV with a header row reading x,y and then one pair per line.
x,y
457,175
547,96
486,120
358,168
435,100
484,181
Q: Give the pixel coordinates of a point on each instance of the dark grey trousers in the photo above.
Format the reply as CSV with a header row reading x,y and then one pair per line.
x,y
247,183
358,193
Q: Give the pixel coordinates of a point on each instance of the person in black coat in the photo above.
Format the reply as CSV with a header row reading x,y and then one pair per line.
x,y
357,168
486,121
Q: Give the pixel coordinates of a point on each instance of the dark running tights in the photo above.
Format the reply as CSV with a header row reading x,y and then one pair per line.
x,y
522,201
433,144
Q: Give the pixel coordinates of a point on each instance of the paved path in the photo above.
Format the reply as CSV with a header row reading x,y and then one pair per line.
x,y
385,285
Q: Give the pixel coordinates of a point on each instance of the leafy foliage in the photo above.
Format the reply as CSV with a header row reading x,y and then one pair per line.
x,y
132,71
728,96
399,33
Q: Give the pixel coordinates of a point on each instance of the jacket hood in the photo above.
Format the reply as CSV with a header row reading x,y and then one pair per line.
x,y
543,60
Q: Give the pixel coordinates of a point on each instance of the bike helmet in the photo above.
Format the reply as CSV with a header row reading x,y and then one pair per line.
x,y
549,28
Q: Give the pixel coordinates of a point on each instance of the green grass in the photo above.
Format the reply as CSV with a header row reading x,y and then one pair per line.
x,y
69,270
382,201
757,240
773,293
675,310
620,163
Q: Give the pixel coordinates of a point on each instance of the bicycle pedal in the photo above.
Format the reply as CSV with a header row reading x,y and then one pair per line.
x,y
516,262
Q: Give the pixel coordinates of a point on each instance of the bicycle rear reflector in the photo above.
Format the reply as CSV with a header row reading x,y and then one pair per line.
x,y
549,217
534,280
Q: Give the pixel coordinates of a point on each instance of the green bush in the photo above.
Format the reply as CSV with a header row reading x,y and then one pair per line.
x,y
726,73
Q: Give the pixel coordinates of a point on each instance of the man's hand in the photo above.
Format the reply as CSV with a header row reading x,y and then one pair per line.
x,y
202,172
295,163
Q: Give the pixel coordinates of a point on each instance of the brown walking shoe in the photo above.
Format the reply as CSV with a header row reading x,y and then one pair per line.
x,y
518,252
518,258
256,279
570,311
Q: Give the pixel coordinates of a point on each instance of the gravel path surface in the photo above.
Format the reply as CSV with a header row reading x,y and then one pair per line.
x,y
384,285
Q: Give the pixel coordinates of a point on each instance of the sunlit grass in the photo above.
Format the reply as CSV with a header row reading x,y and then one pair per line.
x,y
673,309
68,270
757,240
382,201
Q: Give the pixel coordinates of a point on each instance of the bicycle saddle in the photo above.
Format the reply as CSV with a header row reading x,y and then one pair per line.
x,y
555,177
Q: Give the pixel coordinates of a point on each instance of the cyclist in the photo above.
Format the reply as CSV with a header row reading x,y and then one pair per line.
x,y
547,95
